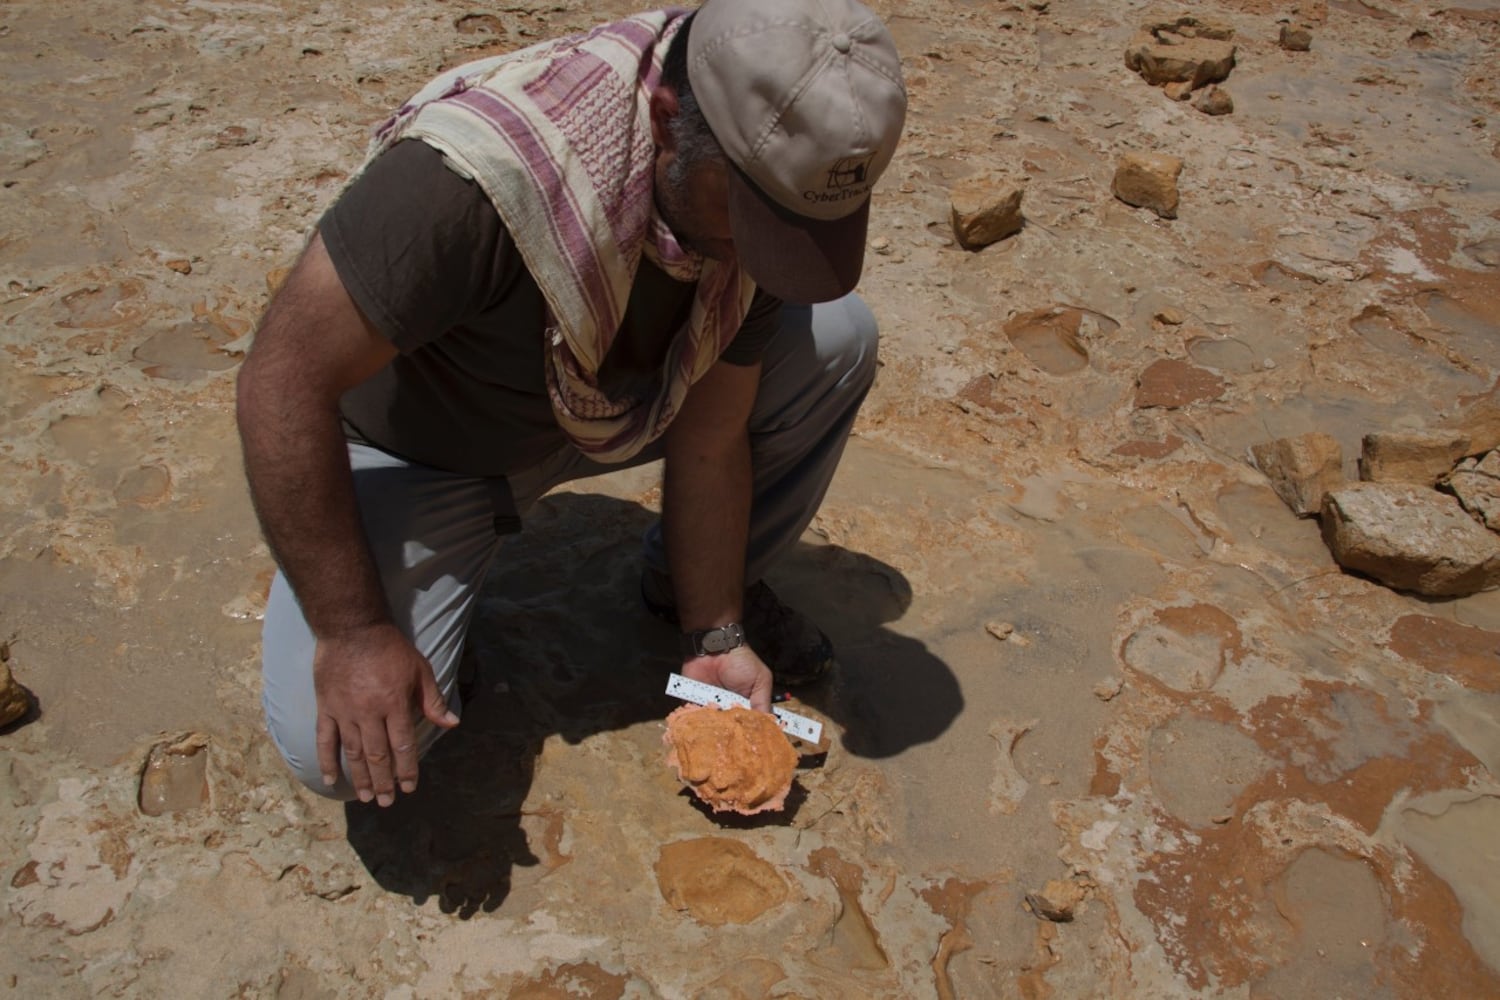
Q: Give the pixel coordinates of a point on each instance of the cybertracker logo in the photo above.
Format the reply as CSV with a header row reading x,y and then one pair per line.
x,y
847,178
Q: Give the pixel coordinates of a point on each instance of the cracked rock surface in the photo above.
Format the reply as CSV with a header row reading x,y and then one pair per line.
x,y
1239,769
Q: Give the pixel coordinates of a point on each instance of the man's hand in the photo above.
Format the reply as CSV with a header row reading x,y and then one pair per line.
x,y
372,685
739,670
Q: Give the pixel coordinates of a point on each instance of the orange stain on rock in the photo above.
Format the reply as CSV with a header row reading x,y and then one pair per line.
x,y
1467,654
1211,894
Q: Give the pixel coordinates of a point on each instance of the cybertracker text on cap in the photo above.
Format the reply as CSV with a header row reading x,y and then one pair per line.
x,y
807,100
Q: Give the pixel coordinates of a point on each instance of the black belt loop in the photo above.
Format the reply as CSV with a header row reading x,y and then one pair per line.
x,y
503,504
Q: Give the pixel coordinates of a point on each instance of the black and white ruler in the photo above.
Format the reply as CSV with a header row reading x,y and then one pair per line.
x,y
699,693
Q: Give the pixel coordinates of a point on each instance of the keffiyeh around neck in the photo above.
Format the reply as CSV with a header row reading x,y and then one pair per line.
x,y
559,137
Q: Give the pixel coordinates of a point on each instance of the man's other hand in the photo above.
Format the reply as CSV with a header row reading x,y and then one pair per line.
x,y
739,670
372,685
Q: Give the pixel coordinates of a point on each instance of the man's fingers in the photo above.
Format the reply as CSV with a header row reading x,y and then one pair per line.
x,y
328,750
354,760
434,705
377,751
760,695
404,748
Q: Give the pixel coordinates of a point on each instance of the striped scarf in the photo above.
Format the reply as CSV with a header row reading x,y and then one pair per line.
x,y
559,137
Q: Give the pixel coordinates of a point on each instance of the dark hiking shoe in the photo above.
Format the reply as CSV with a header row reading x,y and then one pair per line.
x,y
787,641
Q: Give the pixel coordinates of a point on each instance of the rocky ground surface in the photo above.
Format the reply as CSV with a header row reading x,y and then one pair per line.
x,y
1110,720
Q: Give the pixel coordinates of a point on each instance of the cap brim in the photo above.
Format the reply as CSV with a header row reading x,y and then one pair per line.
x,y
795,258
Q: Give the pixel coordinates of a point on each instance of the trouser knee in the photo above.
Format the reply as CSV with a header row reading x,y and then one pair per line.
x,y
852,336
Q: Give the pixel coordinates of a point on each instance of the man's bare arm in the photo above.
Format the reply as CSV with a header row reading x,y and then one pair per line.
x,y
313,345
706,517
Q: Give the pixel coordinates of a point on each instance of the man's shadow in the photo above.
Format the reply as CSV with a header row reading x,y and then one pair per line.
x,y
563,645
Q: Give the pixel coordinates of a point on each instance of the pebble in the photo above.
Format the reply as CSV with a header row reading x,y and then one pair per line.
x,y
1106,690
1295,39
15,700
1057,901
1000,630
181,265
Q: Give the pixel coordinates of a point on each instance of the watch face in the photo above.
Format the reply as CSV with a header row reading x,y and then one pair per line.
x,y
719,640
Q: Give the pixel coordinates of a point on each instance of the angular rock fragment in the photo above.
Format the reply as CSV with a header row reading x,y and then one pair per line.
x,y
986,210
1295,38
1476,484
175,778
1181,90
1301,469
1214,101
1171,384
1186,50
1421,457
734,759
1148,180
1410,538
15,700
1057,900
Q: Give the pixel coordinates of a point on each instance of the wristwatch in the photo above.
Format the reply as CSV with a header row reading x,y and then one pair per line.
x,y
713,641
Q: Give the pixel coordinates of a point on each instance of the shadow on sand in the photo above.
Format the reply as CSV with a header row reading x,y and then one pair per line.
x,y
564,646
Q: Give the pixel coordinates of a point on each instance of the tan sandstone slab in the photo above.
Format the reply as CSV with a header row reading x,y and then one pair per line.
x,y
1421,457
986,210
1301,469
1148,180
1410,538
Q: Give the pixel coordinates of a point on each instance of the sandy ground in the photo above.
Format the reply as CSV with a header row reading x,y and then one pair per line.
x,y
1247,773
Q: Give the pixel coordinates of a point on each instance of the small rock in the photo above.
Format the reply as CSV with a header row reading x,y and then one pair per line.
x,y
880,245
1148,180
236,135
1476,484
181,265
1410,538
1295,38
1057,901
1486,252
15,700
1301,469
1421,457
1186,50
1179,90
1214,101
1172,384
1170,316
986,210
175,777
1000,630
1109,689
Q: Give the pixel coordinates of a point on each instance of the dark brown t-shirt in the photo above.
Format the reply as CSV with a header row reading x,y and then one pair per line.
x,y
426,258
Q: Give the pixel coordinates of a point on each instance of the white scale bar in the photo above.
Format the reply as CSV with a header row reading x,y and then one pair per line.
x,y
699,693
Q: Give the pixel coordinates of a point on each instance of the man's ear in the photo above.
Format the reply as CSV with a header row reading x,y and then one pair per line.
x,y
664,107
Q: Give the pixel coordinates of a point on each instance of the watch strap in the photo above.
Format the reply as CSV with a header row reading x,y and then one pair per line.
x,y
714,641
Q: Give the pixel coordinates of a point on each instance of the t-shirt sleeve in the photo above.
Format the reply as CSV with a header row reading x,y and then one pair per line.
x,y
418,247
757,329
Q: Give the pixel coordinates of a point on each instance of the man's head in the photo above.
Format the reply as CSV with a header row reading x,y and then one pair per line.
x,y
774,125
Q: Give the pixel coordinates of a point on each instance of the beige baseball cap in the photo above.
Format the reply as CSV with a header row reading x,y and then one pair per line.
x,y
807,100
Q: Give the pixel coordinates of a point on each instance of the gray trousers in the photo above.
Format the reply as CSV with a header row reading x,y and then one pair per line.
x,y
433,534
